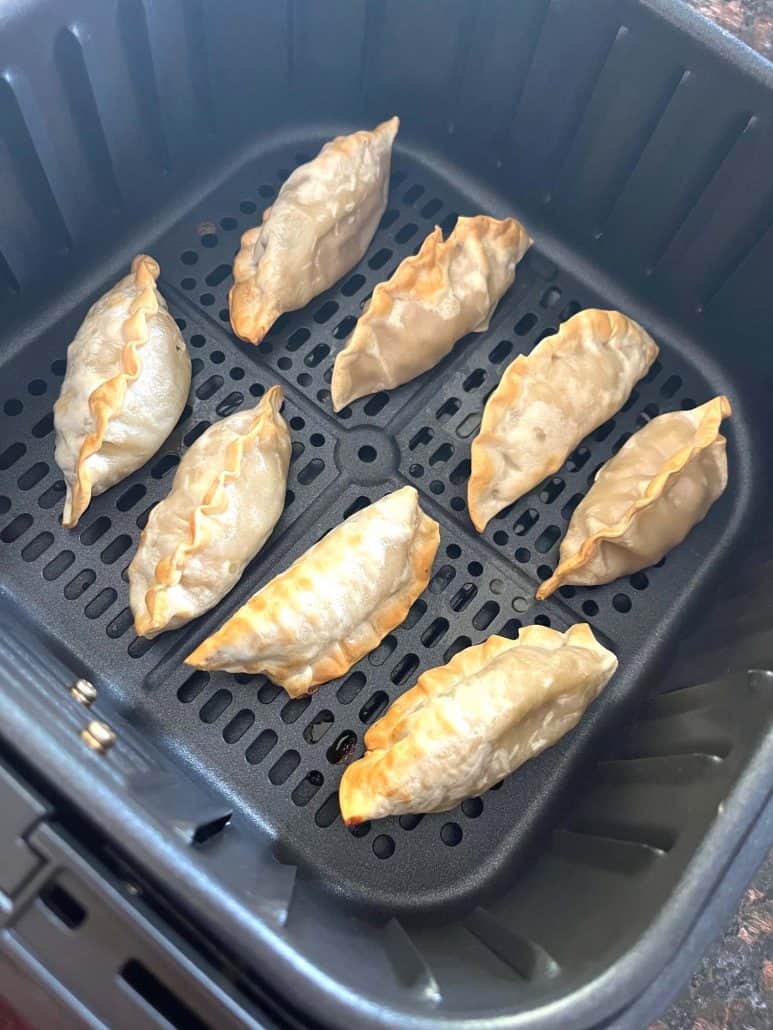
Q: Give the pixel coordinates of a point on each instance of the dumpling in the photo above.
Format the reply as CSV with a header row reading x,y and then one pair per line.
x,y
318,228
466,725
646,499
127,380
335,603
226,498
435,298
548,401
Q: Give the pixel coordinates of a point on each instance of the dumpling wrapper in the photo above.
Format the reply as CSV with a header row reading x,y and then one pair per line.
x,y
335,603
548,401
465,726
646,499
127,380
318,228
227,496
434,298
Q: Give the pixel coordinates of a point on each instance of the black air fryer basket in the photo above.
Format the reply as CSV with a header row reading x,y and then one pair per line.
x,y
199,872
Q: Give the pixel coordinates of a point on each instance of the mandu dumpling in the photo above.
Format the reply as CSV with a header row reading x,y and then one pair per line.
x,y
335,603
646,499
548,401
318,228
466,725
127,380
227,496
450,288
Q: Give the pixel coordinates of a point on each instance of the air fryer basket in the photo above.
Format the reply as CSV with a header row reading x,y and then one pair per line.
x,y
636,151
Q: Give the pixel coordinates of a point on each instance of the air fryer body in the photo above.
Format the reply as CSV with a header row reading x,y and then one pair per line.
x,y
203,854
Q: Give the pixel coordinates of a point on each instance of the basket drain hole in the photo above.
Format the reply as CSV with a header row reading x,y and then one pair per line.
x,y
351,687
328,812
16,528
383,846
319,726
451,834
309,786
235,729
260,747
212,709
284,767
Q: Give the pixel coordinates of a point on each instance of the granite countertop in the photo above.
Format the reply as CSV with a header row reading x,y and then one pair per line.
x,y
749,20
732,988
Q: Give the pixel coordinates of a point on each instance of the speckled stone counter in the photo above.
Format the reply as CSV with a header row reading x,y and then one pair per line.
x,y
749,20
732,988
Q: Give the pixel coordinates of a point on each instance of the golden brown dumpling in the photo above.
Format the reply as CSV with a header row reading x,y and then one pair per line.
x,y
435,298
335,603
548,401
318,228
227,496
470,723
646,499
127,380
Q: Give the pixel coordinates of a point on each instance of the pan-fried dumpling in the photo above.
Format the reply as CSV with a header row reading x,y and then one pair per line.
x,y
435,298
226,498
335,603
468,724
127,380
318,228
646,499
548,401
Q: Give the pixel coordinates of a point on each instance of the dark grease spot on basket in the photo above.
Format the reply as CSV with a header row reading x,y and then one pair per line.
x,y
342,749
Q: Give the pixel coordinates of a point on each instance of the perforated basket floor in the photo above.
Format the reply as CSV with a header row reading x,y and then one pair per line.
x,y
280,760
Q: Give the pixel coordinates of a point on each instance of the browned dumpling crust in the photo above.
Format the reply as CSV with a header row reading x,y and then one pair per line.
x,y
318,228
450,288
467,725
127,380
228,494
547,401
335,603
646,499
